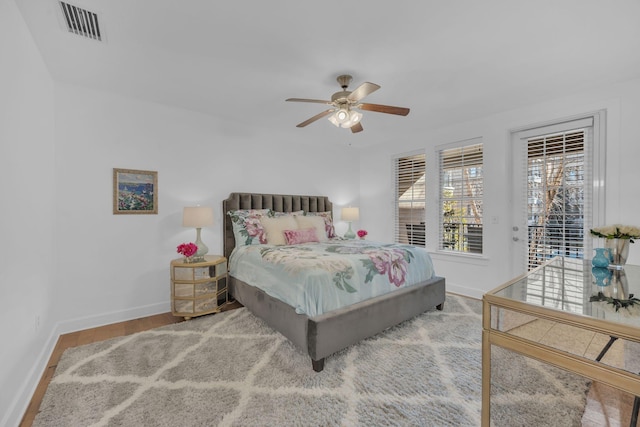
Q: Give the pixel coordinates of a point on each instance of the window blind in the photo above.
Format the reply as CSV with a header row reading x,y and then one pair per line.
x,y
410,199
460,201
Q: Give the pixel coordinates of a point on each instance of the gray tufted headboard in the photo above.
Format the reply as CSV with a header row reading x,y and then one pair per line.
x,y
276,202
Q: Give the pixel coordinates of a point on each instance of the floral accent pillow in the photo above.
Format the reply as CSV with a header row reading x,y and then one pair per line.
x,y
247,228
328,222
305,235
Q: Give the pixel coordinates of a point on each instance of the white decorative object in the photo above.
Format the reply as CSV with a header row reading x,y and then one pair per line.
x,y
350,215
198,217
619,250
617,238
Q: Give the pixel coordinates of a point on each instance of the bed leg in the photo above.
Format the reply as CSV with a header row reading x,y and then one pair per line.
x,y
440,306
318,365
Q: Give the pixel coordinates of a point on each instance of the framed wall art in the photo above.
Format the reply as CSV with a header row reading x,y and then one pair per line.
x,y
135,191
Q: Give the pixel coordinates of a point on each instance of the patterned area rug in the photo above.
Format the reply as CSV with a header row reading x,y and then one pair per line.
x,y
230,369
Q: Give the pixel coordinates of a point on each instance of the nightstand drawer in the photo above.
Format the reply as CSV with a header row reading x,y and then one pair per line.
x,y
190,273
193,306
206,288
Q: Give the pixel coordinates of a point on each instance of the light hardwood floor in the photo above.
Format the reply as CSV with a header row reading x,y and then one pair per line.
x,y
606,407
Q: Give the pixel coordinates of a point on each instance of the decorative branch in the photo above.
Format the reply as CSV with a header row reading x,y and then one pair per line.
x,y
617,303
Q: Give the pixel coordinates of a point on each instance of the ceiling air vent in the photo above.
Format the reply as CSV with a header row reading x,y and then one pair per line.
x,y
81,21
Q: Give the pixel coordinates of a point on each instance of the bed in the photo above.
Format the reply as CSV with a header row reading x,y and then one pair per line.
x,y
323,334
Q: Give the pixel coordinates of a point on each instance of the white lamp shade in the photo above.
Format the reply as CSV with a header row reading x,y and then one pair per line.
x,y
354,118
197,216
334,120
350,214
340,117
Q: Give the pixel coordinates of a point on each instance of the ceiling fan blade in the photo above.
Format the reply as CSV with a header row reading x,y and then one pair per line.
x,y
316,117
401,111
361,91
357,128
317,101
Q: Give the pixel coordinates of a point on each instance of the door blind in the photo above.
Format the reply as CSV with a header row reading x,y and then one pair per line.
x,y
557,197
410,199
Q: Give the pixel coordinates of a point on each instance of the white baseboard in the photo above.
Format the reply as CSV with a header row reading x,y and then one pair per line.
x,y
23,396
464,290
103,319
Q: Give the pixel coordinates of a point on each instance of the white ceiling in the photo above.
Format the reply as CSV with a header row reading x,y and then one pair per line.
x,y
449,61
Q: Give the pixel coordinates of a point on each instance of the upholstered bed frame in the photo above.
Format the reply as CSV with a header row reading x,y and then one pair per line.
x,y
326,334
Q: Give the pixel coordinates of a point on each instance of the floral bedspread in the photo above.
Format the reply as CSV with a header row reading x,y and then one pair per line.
x,y
319,277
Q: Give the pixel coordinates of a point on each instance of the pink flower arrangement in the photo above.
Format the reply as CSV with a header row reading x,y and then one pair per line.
x,y
187,249
362,233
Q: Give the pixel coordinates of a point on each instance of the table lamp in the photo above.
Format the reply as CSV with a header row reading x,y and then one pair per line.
x,y
350,215
198,217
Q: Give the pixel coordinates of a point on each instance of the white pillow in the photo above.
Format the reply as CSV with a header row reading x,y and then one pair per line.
x,y
316,222
274,228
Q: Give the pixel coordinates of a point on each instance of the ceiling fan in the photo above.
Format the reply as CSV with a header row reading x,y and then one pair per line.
x,y
344,105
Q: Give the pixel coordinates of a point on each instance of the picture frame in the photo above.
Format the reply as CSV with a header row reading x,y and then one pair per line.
x,y
135,191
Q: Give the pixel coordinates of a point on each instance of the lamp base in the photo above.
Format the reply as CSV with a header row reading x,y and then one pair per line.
x,y
202,248
349,234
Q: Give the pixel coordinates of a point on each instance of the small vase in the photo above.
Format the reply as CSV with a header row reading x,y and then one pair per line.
x,y
619,252
602,257
602,276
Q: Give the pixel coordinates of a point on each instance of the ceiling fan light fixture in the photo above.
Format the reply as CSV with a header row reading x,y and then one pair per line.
x,y
345,118
340,117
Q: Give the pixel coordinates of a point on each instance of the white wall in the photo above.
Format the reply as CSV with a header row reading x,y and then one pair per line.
x,y
110,268
475,276
27,187
116,266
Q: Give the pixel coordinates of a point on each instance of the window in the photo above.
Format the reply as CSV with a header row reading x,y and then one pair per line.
x,y
461,190
410,199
